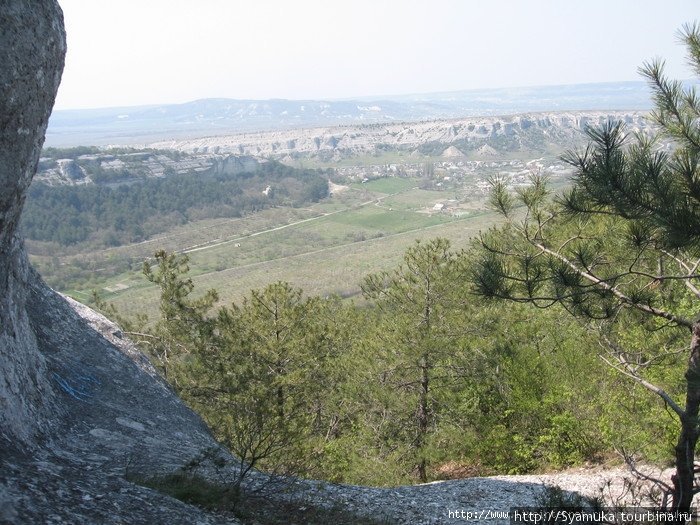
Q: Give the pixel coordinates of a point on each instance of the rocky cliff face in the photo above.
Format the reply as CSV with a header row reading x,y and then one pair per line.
x,y
32,48
78,404
109,167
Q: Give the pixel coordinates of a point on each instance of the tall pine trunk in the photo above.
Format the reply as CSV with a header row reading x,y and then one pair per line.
x,y
684,478
423,418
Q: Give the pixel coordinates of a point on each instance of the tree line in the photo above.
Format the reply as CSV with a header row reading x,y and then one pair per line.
x,y
425,380
127,213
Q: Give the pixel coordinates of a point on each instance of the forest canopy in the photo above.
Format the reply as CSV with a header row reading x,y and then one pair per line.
x,y
117,214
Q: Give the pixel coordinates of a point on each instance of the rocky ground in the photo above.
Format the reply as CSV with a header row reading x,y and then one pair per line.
x,y
472,500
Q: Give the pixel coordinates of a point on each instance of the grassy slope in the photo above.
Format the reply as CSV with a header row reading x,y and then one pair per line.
x,y
325,249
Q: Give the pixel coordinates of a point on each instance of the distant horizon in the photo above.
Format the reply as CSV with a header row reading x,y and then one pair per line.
x,y
376,98
220,115
133,53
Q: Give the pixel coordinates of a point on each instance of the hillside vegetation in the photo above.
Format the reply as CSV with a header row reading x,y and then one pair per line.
x,y
112,215
444,369
347,350
377,206
425,381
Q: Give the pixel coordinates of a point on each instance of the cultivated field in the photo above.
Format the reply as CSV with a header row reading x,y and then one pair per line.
x,y
324,249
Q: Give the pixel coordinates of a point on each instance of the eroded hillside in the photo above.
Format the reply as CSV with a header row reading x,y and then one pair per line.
x,y
475,136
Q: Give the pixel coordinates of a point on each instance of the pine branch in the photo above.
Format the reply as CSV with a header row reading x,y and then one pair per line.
x,y
690,270
646,384
614,291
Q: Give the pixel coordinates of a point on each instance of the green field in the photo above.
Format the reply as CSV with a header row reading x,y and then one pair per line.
x,y
388,185
334,269
324,249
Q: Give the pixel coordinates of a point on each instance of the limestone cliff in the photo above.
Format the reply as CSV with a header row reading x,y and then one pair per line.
x,y
523,133
78,406
32,49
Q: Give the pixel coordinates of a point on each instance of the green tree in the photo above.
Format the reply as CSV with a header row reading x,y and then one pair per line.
x,y
261,373
184,325
622,246
263,381
417,298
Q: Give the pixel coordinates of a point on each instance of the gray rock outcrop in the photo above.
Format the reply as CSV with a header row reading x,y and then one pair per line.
x,y
32,50
80,408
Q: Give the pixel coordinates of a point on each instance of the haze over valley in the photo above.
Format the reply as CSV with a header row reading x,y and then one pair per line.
x,y
387,183
205,117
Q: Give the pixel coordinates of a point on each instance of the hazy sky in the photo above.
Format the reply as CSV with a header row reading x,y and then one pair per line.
x,y
135,52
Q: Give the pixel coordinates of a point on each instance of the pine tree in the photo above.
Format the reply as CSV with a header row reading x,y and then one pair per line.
x,y
418,297
184,325
623,245
262,382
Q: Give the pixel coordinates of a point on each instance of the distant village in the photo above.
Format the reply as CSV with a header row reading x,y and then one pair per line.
x,y
464,179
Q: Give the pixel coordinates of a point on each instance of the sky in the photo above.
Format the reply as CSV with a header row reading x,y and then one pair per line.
x,y
141,52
